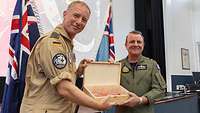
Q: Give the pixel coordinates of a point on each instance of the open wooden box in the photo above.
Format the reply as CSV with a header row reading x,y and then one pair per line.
x,y
102,80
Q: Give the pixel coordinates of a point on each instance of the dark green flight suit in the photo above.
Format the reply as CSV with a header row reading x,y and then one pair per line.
x,y
144,80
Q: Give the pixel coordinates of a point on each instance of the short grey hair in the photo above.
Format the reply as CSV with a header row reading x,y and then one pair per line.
x,y
78,2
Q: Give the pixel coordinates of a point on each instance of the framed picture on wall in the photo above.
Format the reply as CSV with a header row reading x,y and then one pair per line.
x,y
185,58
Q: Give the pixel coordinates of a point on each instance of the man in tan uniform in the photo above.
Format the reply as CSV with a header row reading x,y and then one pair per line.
x,y
141,76
51,71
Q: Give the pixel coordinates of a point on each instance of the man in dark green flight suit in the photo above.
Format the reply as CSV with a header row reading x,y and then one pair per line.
x,y
141,76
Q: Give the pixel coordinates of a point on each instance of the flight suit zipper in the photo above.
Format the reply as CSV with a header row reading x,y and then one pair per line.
x,y
134,69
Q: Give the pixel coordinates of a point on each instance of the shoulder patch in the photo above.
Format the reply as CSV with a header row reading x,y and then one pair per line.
x,y
54,35
125,69
59,60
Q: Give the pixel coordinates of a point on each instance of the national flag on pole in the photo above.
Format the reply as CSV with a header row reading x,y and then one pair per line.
x,y
24,33
106,49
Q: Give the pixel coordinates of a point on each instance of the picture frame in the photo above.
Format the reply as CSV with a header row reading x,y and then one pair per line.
x,y
185,58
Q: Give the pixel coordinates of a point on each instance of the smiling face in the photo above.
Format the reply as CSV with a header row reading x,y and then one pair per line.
x,y
134,44
75,19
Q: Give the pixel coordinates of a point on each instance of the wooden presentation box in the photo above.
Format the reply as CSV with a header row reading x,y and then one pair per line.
x,y
102,82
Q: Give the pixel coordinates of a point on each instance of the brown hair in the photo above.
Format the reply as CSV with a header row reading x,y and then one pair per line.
x,y
134,32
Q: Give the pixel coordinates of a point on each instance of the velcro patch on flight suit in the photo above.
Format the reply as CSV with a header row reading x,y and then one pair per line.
x,y
141,67
59,60
125,69
55,35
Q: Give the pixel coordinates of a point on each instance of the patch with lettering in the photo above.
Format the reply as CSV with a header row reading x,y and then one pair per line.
x,y
59,60
141,67
54,35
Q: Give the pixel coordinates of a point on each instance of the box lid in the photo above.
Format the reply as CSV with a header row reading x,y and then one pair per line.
x,y
102,73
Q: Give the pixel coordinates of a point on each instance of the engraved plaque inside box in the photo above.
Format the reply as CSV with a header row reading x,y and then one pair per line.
x,y
102,80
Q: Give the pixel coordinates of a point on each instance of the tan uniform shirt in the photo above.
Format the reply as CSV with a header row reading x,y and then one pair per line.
x,y
51,61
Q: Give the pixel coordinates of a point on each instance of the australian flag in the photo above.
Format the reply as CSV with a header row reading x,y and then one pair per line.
x,y
24,33
106,49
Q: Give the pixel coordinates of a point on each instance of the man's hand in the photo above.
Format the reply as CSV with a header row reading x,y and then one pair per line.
x,y
104,105
82,66
133,101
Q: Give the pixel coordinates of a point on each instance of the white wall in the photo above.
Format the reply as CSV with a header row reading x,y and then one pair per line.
x,y
196,29
180,26
123,22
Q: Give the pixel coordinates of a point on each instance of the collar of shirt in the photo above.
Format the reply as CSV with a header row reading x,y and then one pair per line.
x,y
62,31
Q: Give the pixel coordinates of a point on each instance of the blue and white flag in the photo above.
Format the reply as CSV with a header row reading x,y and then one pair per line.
x,y
106,49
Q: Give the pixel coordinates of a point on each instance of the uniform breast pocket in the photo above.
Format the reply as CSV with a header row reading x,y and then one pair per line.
x,y
126,79
143,76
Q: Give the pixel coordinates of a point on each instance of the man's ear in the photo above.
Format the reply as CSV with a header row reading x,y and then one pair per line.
x,y
64,13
